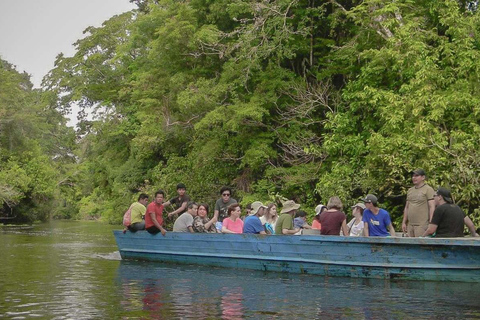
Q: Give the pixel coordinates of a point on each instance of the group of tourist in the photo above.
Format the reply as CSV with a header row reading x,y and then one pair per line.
x,y
427,213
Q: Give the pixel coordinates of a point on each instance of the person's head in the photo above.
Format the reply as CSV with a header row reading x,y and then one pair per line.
x,y
226,193
370,201
159,196
301,214
271,211
181,189
143,199
290,207
258,209
192,208
418,177
358,208
442,195
202,210
248,208
234,210
335,203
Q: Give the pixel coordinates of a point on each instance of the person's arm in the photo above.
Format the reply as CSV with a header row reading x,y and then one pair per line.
x,y
365,229
190,229
288,231
306,226
345,228
215,214
470,226
181,209
210,223
404,222
225,230
391,230
432,228
158,225
431,209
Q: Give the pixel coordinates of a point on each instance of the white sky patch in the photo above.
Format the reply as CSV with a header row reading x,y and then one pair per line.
x,y
34,32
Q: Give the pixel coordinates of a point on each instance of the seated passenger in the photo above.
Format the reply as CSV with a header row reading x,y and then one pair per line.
x,y
377,222
269,219
184,223
300,221
285,221
154,215
448,219
333,219
138,210
316,220
356,225
252,222
233,224
201,223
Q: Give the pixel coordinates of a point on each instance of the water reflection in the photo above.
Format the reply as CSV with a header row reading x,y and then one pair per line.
x,y
168,291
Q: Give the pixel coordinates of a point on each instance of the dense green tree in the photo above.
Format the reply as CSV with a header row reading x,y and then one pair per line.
x,y
296,99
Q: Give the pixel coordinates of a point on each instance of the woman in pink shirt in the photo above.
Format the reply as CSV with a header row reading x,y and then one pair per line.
x,y
233,224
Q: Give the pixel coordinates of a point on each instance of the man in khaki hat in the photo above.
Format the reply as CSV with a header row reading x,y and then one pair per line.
x,y
419,207
252,222
285,221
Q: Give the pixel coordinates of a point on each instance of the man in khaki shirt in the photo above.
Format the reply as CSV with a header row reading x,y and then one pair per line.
x,y
420,205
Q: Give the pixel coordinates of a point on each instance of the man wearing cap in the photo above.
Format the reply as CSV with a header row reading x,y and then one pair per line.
x,y
419,206
377,221
284,223
179,202
448,219
252,221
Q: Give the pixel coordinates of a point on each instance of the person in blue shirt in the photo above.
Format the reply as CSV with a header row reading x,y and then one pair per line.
x,y
377,222
252,223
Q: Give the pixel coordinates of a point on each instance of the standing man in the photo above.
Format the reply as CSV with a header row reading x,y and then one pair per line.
x,y
222,204
184,223
420,205
284,223
179,202
252,221
376,221
448,218
154,215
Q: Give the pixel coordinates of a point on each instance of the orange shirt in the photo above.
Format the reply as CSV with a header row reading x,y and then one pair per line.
x,y
316,225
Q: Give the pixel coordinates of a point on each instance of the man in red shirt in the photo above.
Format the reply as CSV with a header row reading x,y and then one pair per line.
x,y
154,214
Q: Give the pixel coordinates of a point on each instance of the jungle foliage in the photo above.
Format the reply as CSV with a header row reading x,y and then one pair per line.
x,y
301,99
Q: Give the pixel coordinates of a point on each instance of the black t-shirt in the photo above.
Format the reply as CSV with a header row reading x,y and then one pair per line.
x,y
178,201
450,220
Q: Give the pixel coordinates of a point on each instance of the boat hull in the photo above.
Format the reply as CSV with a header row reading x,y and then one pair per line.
x,y
384,258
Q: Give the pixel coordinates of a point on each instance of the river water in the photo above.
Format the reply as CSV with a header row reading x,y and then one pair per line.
x,y
72,270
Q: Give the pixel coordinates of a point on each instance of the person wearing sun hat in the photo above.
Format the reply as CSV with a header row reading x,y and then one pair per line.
x,y
316,220
285,221
419,206
448,219
252,222
377,222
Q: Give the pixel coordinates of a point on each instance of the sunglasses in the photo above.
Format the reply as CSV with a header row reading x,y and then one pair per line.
x,y
226,194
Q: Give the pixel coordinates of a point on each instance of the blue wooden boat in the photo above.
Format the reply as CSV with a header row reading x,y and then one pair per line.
x,y
454,259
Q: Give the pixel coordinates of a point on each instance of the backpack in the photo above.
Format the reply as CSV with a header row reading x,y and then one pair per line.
x,y
127,217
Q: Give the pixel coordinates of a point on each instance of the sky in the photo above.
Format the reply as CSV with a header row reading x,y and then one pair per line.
x,y
34,32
